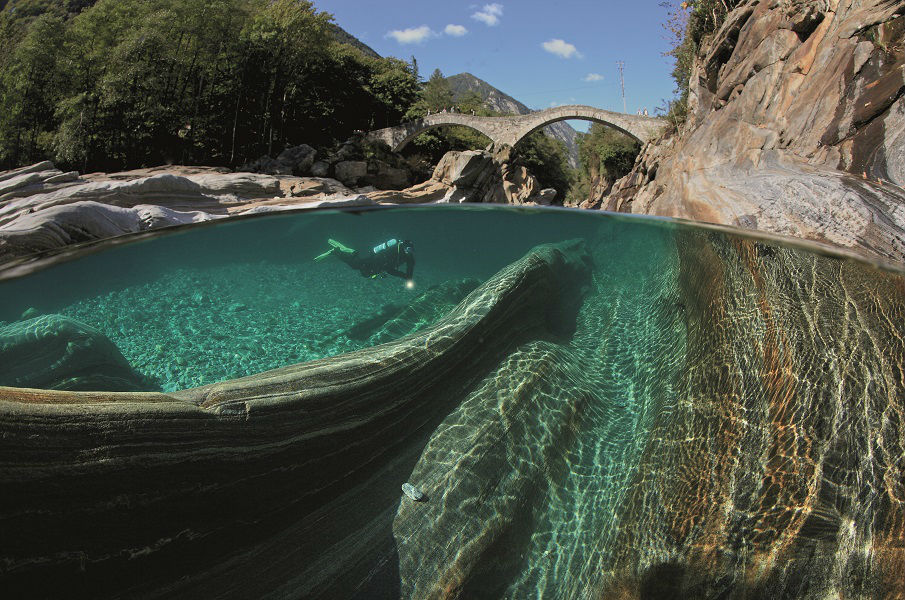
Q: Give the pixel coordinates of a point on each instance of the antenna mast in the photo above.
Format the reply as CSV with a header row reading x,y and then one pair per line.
x,y
621,65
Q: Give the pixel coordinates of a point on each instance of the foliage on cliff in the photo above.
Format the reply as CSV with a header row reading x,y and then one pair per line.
x,y
126,83
689,24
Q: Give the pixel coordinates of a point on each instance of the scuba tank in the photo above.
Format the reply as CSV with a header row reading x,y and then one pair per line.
x,y
387,244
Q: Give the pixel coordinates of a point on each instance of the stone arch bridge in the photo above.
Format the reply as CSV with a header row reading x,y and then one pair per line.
x,y
511,130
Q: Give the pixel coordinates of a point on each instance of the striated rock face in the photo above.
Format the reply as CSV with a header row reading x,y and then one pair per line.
x,y
43,209
796,124
780,460
58,353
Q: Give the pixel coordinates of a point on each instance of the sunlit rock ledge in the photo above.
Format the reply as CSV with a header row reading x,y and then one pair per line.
x,y
43,209
763,460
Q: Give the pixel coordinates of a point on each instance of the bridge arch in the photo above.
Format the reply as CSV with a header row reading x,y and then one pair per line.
x,y
588,118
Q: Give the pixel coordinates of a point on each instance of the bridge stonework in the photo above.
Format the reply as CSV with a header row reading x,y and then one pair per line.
x,y
511,130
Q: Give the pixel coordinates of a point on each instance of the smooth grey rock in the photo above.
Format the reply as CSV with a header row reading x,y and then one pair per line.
x,y
9,187
81,221
298,158
320,169
237,185
60,353
546,196
63,177
350,171
41,166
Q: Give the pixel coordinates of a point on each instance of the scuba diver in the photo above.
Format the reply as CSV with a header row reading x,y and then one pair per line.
x,y
383,258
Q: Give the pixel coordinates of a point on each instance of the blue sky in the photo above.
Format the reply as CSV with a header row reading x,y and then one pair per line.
x,y
540,52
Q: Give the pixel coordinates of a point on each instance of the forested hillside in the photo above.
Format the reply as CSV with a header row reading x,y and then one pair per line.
x,y
119,84
125,83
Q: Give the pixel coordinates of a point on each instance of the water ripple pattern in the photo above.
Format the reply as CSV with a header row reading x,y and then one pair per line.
x,y
591,406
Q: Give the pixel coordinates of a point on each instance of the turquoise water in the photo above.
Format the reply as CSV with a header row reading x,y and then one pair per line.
x,y
240,298
720,416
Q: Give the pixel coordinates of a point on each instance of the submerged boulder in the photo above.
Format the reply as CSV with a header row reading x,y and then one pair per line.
x,y
302,464
719,418
424,310
393,321
59,353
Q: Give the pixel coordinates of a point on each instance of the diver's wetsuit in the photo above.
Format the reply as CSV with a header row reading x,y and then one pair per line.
x,y
385,258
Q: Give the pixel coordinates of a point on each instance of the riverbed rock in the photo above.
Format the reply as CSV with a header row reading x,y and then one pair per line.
x,y
545,197
477,176
299,158
33,179
49,209
59,353
746,447
385,177
84,221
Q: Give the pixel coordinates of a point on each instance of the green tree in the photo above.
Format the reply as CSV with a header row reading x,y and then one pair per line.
x,y
437,92
547,159
605,154
28,92
689,23
394,86
436,95
113,84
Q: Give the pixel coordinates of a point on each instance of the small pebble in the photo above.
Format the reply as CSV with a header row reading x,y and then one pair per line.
x,y
412,492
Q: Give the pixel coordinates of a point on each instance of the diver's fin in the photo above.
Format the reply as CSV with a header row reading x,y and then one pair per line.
x,y
321,257
337,246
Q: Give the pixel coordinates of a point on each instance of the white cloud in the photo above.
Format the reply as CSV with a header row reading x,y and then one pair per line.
x,y
489,15
561,48
455,30
413,35
592,77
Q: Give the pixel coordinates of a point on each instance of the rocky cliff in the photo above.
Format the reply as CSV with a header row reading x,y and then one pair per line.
x,y
796,125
